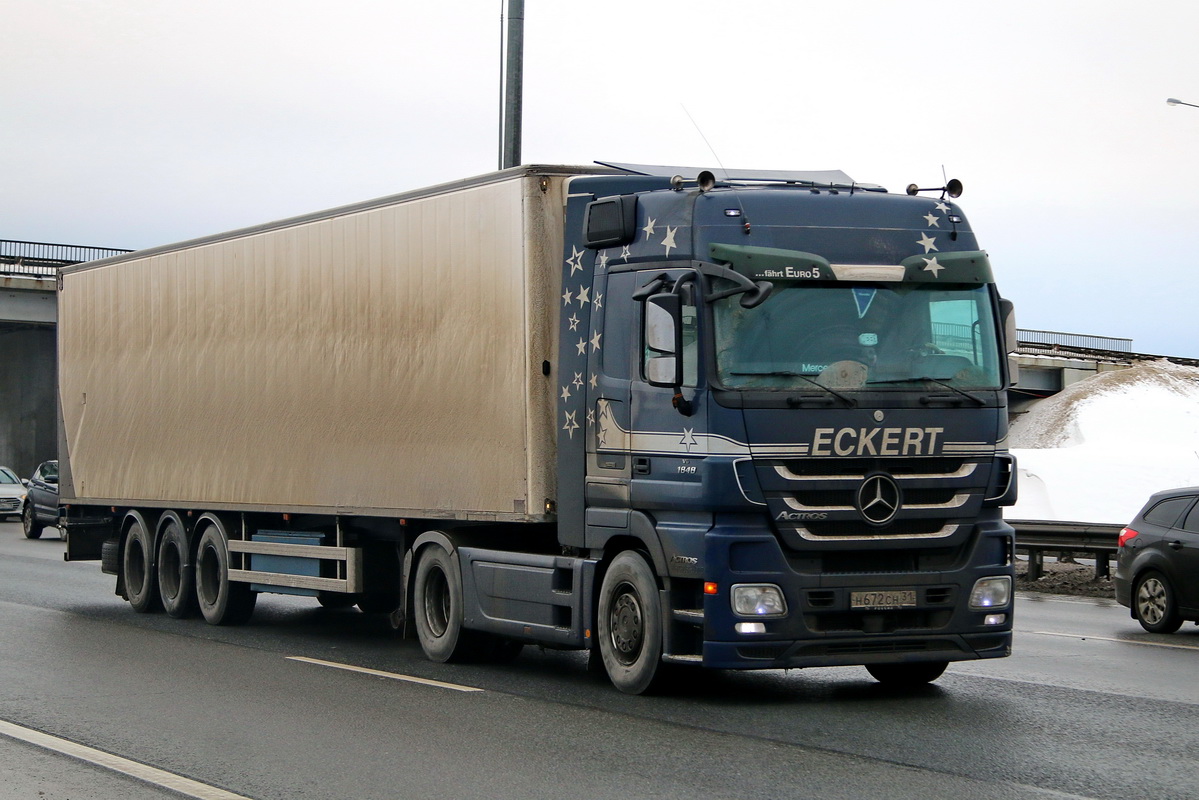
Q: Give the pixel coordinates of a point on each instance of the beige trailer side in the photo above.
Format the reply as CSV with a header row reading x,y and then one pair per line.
x,y
381,360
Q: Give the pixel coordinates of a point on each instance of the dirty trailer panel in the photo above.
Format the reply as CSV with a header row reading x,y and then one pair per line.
x,y
351,362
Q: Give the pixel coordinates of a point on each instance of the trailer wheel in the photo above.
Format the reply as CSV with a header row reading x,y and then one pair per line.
x,y
33,528
222,602
437,597
630,624
176,573
137,567
907,675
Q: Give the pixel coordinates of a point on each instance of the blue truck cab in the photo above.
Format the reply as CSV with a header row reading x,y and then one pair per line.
x,y
787,395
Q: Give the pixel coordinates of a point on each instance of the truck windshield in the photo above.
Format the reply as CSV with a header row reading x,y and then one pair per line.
x,y
860,335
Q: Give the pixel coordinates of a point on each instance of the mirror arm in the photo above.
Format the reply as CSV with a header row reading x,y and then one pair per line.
x,y
755,292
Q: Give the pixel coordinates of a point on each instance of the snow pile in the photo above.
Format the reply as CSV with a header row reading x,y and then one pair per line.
x,y
1095,451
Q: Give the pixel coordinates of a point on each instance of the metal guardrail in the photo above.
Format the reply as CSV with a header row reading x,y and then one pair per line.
x,y
1109,343
44,258
1097,539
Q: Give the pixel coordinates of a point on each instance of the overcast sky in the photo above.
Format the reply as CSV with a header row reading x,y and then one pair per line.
x,y
131,123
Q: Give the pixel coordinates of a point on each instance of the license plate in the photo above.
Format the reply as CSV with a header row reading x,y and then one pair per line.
x,y
883,599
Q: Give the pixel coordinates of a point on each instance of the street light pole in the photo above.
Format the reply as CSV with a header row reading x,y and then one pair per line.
x,y
510,111
1170,101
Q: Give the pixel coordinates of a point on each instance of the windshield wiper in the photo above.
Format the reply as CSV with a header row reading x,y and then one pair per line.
x,y
849,401
951,388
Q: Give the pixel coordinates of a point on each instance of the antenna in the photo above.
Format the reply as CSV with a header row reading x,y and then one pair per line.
x,y
706,179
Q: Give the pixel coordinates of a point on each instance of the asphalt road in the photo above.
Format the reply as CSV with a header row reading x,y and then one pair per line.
x,y
1089,706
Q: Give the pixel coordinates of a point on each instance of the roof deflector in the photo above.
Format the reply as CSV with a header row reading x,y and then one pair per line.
x,y
826,177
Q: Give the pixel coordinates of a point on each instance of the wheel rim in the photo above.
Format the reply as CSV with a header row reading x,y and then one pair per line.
x,y
437,602
1151,601
626,624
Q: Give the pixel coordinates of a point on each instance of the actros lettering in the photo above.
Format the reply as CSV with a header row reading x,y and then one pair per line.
x,y
800,516
876,441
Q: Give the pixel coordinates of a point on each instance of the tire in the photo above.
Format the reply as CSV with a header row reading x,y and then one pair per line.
x,y
909,675
221,601
137,568
437,608
176,573
630,624
33,528
1155,605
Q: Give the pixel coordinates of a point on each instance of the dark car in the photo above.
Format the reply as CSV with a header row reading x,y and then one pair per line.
x,y
41,506
1157,569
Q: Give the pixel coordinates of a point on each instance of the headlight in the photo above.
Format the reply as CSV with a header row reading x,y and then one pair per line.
x,y
758,600
991,593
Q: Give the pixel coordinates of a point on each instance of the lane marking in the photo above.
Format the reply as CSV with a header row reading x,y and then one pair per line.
x,y
380,674
1119,641
134,769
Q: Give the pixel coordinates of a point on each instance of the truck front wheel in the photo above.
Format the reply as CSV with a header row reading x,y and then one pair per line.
x,y
630,624
222,602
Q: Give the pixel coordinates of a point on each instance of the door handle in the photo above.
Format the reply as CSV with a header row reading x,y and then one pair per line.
x,y
1175,545
641,465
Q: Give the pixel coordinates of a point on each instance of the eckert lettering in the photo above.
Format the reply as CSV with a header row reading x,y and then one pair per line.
x,y
876,441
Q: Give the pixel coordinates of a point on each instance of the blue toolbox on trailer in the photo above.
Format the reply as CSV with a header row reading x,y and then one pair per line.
x,y
287,565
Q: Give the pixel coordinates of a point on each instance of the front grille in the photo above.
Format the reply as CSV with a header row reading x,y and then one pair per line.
x,y
818,500
878,621
860,467
9,504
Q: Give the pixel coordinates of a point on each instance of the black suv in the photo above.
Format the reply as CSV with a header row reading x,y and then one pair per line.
x,y
41,505
1157,569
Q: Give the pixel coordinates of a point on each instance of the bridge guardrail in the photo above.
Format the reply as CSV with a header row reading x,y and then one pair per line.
x,y
1097,539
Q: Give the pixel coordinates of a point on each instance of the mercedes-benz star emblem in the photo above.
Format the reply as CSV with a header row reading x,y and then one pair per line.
x,y
878,499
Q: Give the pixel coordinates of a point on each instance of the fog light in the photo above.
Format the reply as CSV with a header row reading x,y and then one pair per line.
x,y
991,593
758,600
750,627
995,619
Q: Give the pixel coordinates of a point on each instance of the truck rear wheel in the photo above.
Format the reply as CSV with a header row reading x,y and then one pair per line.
x,y
137,567
630,624
176,574
222,602
437,608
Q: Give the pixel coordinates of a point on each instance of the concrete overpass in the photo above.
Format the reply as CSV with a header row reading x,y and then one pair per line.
x,y
28,313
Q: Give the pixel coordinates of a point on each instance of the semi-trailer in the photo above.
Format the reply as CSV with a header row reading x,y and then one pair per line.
x,y
752,422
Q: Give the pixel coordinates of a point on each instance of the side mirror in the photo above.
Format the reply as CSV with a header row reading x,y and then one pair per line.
x,y
1011,338
664,340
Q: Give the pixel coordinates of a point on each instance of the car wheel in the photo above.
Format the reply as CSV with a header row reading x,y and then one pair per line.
x,y
1154,604
33,528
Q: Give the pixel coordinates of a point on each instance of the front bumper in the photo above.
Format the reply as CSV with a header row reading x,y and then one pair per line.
x,y
824,628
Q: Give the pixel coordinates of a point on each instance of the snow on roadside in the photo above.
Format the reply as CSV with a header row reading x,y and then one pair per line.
x,y
1095,451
